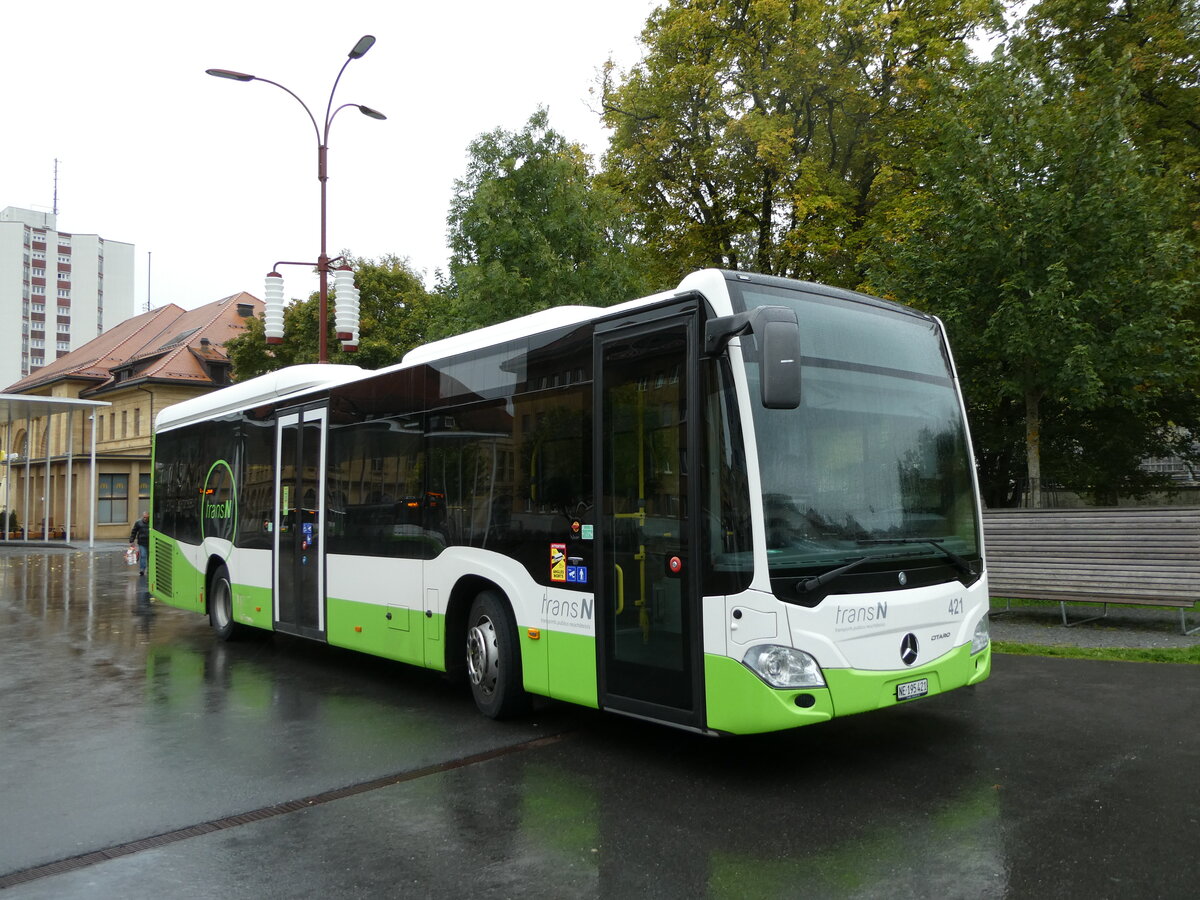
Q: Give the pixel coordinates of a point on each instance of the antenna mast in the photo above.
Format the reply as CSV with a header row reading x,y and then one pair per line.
x,y
56,186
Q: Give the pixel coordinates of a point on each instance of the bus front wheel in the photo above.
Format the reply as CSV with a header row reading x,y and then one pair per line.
x,y
494,658
220,606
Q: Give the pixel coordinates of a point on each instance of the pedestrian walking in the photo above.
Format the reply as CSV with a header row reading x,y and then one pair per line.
x,y
139,537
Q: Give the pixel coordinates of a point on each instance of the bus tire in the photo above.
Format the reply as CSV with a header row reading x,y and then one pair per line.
x,y
494,658
220,606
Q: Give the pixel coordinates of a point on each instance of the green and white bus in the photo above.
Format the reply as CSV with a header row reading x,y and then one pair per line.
x,y
743,505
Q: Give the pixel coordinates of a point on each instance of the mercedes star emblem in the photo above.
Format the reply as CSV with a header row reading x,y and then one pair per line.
x,y
908,649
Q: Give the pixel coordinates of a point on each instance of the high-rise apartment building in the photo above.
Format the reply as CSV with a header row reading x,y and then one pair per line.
x,y
63,289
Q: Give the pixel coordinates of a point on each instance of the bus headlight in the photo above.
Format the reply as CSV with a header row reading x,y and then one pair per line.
x,y
981,637
784,667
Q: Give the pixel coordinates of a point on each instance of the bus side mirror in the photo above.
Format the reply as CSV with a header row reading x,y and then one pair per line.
x,y
778,335
779,365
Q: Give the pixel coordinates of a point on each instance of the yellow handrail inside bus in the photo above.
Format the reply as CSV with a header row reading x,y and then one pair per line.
x,y
620,589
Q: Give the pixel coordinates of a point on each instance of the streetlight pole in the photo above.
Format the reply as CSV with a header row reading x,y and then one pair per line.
x,y
323,262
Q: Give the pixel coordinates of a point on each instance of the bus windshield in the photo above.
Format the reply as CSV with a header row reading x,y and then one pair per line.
x,y
874,462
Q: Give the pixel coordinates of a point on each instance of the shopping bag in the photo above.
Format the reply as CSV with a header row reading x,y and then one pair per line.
x,y
131,556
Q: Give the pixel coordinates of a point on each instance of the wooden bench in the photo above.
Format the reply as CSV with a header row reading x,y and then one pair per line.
x,y
1145,557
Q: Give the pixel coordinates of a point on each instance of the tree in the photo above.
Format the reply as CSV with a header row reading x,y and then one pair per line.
x,y
531,229
1157,40
394,316
761,134
1050,246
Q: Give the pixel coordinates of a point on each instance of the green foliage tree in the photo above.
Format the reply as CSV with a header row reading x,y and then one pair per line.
x,y
395,315
762,134
1050,245
530,228
1159,43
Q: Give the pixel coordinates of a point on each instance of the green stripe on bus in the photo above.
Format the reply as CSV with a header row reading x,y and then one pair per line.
x,y
740,703
392,632
253,606
571,660
855,690
185,586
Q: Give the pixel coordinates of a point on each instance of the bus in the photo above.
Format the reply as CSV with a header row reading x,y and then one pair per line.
x,y
743,505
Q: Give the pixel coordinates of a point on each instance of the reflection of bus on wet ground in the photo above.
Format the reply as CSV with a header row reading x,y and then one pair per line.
x,y
743,505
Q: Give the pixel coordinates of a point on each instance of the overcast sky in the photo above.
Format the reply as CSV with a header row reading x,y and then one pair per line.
x,y
216,179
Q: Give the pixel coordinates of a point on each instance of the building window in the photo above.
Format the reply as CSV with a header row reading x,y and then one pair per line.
x,y
143,494
137,421
124,423
113,503
63,345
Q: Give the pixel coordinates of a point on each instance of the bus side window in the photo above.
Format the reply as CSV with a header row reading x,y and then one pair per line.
x,y
728,545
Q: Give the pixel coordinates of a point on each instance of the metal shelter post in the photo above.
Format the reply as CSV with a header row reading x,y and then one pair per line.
x,y
94,478
47,486
69,494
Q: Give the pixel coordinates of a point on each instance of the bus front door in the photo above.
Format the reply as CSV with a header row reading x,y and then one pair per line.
x,y
648,615
299,526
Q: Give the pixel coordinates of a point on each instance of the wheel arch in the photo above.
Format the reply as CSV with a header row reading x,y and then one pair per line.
x,y
214,562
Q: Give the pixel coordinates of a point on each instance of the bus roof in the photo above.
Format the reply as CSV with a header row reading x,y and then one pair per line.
x,y
265,388
548,320
534,323
296,380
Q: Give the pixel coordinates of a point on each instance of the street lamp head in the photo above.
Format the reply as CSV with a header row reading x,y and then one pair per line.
x,y
364,44
373,113
230,74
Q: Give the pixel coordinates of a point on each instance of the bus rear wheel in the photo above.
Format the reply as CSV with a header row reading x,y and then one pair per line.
x,y
494,658
220,607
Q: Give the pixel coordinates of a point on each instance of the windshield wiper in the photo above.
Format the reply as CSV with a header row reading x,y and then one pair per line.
x,y
959,563
816,582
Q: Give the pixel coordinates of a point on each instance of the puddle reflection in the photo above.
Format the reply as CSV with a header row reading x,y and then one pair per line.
x,y
853,808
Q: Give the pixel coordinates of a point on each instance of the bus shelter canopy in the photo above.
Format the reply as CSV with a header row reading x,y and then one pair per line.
x,y
15,407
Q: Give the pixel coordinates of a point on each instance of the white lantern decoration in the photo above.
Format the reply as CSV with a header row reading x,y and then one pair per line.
x,y
273,325
346,310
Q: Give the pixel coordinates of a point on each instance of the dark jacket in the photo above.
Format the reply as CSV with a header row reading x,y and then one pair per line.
x,y
140,533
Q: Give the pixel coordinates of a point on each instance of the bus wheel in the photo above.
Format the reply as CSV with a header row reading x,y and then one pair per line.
x,y
220,606
494,658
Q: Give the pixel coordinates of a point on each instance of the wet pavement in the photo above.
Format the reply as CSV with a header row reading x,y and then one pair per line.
x,y
139,758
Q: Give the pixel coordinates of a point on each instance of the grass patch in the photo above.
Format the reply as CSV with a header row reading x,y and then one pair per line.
x,y
1122,654
1002,602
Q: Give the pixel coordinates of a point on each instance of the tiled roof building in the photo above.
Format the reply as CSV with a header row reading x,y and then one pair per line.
x,y
147,362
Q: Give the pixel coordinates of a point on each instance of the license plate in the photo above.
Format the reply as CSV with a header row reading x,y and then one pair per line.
x,y
910,690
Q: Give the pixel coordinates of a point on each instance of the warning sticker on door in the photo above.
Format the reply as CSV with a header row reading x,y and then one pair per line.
x,y
558,562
